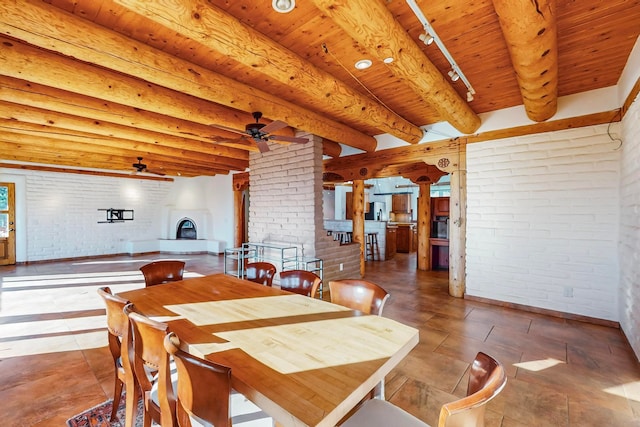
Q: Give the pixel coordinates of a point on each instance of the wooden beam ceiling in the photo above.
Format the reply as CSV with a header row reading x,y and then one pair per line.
x,y
65,33
385,38
212,27
176,81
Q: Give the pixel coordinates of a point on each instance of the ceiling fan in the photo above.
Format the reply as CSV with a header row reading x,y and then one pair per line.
x,y
141,167
259,133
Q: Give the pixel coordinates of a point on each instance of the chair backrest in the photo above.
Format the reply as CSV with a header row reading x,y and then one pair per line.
x,y
158,272
151,364
117,321
203,388
261,272
300,281
486,379
357,294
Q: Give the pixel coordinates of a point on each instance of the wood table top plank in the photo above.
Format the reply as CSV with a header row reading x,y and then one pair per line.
x,y
304,361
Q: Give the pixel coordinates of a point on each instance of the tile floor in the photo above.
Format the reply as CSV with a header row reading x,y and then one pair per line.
x,y
54,362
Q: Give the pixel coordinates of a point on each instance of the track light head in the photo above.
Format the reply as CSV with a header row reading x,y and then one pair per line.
x,y
426,38
454,76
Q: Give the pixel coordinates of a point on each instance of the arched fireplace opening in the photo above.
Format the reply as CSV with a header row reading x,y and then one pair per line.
x,y
186,230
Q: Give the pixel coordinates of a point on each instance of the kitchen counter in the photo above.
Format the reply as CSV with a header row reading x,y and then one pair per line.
x,y
370,226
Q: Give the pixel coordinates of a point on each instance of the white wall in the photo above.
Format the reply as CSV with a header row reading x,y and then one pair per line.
x,y
629,293
214,194
57,213
542,224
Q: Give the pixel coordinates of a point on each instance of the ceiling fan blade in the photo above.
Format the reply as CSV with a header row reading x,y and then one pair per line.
x,y
245,143
289,139
273,126
155,172
228,129
262,145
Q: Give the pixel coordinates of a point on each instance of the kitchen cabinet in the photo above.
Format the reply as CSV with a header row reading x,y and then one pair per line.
x,y
439,241
440,206
404,238
401,203
390,242
439,254
348,205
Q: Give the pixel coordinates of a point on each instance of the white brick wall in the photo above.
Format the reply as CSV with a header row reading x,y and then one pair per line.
x,y
542,224
629,295
285,205
62,214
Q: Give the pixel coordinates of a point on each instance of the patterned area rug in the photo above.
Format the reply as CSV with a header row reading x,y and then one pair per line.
x,y
98,416
244,414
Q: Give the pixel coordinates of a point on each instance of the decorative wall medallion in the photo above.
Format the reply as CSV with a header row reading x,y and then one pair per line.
x,y
443,163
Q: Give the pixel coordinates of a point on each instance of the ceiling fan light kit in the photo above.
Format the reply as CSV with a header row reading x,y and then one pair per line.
x,y
141,167
260,133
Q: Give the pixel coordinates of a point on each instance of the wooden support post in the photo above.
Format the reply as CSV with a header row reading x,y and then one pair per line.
x,y
458,228
424,227
358,218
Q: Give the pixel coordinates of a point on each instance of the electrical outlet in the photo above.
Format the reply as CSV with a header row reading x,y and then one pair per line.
x,y
568,291
341,266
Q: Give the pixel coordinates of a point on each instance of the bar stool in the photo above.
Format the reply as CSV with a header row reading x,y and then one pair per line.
x,y
372,250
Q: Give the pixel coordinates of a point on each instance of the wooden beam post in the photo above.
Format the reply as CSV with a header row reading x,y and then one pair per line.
x,y
424,227
358,218
458,227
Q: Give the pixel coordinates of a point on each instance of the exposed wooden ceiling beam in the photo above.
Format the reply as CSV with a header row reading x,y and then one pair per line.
x,y
81,171
372,163
532,38
36,95
54,155
153,140
372,25
66,33
110,144
199,20
331,149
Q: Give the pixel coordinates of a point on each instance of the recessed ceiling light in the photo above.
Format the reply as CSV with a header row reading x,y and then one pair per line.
x,y
388,60
283,6
363,64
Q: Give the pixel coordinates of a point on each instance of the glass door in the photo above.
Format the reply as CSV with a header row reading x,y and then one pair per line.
x,y
7,224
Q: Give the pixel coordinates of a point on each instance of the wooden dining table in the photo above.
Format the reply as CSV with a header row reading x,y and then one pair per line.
x,y
304,361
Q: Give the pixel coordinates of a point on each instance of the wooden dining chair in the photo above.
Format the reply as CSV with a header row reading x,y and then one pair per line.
x,y
358,294
260,272
158,272
204,393
152,369
487,378
301,282
117,331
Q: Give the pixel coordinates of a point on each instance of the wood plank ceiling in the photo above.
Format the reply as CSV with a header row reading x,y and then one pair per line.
x,y
98,83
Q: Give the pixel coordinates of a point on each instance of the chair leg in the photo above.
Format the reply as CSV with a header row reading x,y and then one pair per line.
x,y
117,396
132,396
378,391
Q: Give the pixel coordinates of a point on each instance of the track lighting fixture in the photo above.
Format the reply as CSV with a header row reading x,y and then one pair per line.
x,y
426,38
430,36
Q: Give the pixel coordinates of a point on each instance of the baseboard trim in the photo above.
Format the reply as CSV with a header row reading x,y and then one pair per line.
x,y
90,257
545,311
